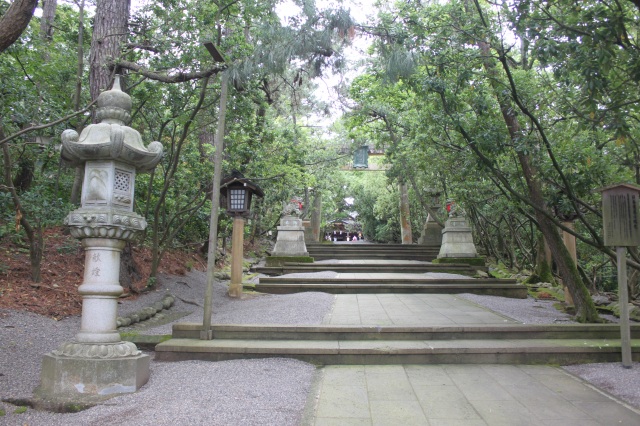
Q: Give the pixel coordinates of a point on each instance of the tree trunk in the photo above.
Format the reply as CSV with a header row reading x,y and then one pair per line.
x,y
129,271
15,20
316,216
405,220
24,177
542,268
34,234
76,189
48,16
110,30
585,309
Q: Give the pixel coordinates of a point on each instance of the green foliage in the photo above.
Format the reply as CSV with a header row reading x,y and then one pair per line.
x,y
570,71
439,116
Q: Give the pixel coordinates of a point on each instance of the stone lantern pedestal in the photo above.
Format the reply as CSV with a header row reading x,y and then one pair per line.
x,y
431,233
97,362
290,245
290,239
457,241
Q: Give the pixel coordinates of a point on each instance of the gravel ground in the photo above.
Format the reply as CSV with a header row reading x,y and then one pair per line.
x,y
247,392
529,311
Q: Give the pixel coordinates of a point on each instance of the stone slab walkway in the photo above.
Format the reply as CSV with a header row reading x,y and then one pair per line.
x,y
448,394
462,395
410,309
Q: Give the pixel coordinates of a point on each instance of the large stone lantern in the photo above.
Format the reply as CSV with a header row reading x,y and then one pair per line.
x,y
97,362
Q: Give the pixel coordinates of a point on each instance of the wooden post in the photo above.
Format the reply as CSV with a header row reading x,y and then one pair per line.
x,y
235,288
316,215
623,299
206,333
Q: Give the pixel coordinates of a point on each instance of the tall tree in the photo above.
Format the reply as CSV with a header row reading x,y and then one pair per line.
x,y
48,16
110,31
15,20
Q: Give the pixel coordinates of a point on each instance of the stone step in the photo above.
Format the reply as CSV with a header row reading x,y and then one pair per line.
x,y
373,251
366,332
425,257
346,248
394,283
370,246
375,352
400,267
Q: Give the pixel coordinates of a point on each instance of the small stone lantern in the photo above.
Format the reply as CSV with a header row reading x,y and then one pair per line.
x,y
97,362
238,192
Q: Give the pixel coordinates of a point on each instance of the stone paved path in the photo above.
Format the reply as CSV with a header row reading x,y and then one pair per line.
x,y
438,395
410,309
469,395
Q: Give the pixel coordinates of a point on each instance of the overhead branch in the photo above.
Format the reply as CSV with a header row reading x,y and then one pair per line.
x,y
177,77
44,126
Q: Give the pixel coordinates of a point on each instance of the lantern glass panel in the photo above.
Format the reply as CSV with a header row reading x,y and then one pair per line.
x,y
237,199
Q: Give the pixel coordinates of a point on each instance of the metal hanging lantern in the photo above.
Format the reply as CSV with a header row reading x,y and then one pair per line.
x,y
238,199
434,196
238,192
361,157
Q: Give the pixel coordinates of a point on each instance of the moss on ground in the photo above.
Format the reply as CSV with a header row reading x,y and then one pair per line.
x,y
473,261
129,335
281,260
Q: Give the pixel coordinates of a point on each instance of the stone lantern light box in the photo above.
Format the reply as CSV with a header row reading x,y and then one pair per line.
x,y
108,184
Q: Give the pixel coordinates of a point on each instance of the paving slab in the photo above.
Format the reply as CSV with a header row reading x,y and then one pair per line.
x,y
410,309
462,395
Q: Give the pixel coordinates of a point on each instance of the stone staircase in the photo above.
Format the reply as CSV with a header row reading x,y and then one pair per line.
x,y
355,250
333,345
363,283
363,268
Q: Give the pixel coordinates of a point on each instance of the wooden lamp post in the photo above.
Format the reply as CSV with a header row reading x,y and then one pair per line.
x,y
620,221
238,192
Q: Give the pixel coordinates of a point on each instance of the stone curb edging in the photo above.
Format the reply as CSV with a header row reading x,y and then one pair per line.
x,y
147,312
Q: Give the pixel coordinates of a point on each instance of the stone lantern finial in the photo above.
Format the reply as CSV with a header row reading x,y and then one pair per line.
x,y
114,106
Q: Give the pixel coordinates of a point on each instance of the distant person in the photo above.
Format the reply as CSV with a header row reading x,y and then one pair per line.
x,y
355,238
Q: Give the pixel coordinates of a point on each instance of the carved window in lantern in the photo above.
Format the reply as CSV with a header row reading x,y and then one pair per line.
x,y
237,199
122,187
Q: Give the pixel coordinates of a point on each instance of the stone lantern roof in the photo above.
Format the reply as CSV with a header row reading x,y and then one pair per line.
x,y
111,139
